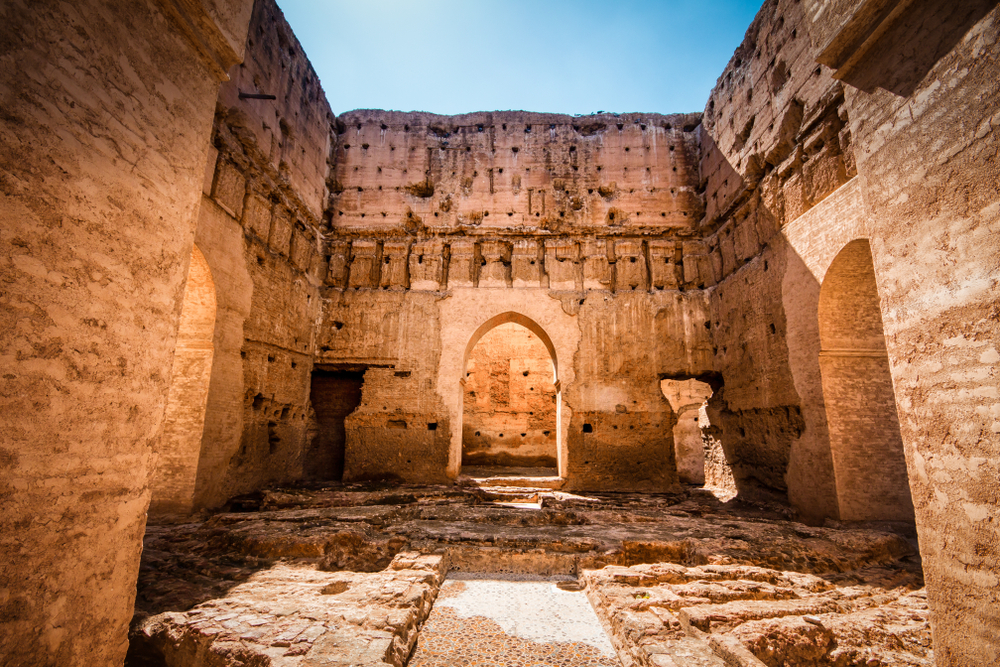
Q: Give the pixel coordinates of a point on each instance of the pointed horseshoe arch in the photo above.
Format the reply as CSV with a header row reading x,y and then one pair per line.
x,y
511,317
515,318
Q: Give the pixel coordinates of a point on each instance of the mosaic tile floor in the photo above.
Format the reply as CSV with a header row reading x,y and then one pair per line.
x,y
514,623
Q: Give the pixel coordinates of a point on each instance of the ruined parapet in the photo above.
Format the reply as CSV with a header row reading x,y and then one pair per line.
x,y
515,171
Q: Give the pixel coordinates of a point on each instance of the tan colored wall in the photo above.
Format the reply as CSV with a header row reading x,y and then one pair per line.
x,y
513,169
509,401
926,128
413,345
107,113
441,225
916,121
260,224
176,468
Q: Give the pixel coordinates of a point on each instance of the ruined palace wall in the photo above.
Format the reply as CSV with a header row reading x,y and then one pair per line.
x,y
509,413
260,228
582,224
916,121
512,169
923,113
774,145
107,114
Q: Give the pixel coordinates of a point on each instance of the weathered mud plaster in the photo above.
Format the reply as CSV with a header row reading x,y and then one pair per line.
x,y
107,114
926,124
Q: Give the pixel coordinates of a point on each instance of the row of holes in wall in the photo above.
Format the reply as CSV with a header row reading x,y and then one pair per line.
x,y
590,128
589,428
513,149
401,423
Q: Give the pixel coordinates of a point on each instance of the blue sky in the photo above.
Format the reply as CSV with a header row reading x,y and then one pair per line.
x,y
563,56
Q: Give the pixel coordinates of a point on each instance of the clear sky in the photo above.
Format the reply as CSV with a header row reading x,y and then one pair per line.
x,y
563,56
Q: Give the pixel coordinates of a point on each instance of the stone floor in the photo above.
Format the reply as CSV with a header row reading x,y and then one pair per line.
x,y
487,620
337,575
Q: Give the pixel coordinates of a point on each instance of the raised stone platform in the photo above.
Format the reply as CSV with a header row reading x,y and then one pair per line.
x,y
347,575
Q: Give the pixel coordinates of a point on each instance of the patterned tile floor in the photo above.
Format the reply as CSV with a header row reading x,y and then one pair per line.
x,y
511,622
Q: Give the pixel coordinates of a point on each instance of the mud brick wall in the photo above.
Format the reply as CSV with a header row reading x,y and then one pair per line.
x,y
411,171
260,229
107,114
925,124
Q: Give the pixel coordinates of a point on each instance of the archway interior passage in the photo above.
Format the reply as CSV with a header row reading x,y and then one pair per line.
x,y
868,459
179,446
510,401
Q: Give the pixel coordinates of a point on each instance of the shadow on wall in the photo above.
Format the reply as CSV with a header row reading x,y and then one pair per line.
x,y
936,26
865,441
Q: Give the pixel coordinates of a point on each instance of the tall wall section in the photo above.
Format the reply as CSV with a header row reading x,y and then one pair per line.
x,y
844,120
107,113
260,228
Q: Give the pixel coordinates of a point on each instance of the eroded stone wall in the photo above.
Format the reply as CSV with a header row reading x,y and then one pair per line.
x,y
820,91
260,225
582,225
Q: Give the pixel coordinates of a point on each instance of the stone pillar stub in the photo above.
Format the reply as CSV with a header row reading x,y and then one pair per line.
x,y
597,273
527,268
462,268
364,264
630,265
562,264
495,264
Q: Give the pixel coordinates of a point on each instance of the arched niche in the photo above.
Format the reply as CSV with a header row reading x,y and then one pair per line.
x,y
511,317
179,445
865,442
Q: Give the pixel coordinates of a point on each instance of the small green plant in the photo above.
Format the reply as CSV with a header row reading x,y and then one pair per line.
x,y
642,596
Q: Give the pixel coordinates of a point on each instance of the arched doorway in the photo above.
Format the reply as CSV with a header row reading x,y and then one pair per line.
x,y
511,401
865,442
184,419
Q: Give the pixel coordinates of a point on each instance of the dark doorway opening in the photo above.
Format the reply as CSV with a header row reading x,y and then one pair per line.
x,y
334,395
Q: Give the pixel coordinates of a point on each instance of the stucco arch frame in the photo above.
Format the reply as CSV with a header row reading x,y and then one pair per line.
x,y
468,315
